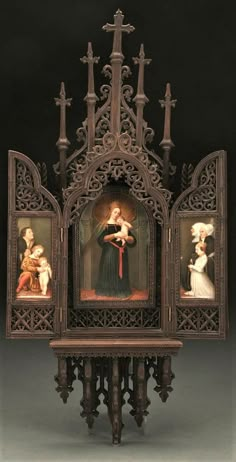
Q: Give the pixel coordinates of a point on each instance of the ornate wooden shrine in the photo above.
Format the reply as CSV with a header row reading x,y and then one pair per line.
x,y
112,266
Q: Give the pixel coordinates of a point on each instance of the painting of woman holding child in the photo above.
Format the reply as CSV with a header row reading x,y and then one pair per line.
x,y
33,269
115,239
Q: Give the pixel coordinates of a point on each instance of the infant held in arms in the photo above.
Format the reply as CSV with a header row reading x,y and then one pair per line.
x,y
123,233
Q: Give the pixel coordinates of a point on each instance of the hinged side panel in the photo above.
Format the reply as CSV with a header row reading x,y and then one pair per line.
x,y
34,224
199,253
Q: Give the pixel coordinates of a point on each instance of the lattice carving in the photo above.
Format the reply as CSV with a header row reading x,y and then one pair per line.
x,y
42,168
151,318
117,169
198,319
82,138
39,319
128,318
21,319
203,198
27,198
103,125
102,116
141,196
128,117
80,203
209,320
186,177
148,201
122,143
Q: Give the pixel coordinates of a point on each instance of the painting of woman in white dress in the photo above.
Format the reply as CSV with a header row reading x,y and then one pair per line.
x,y
201,285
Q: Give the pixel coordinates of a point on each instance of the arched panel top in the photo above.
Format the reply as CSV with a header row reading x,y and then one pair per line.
x,y
199,252
143,180
26,193
32,301
203,194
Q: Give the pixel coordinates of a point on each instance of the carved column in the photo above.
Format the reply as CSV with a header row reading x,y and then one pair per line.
x,y
114,385
164,377
140,400
88,401
64,388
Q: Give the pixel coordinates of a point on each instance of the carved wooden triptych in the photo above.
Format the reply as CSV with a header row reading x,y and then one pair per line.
x,y
116,251
159,290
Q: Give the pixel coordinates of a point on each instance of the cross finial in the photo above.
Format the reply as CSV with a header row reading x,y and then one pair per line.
x,y
90,60
167,103
63,102
167,143
142,61
118,27
63,143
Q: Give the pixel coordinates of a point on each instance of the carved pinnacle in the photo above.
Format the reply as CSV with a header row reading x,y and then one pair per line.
x,y
167,103
167,143
63,102
141,58
90,60
63,143
142,61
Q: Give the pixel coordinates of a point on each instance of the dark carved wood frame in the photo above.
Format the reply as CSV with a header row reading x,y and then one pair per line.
x,y
219,213
51,216
149,303
28,304
83,191
171,303
195,301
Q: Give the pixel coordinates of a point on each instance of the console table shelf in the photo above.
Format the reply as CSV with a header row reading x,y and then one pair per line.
x,y
114,368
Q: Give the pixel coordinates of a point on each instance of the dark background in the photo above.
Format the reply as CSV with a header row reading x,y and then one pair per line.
x,y
193,46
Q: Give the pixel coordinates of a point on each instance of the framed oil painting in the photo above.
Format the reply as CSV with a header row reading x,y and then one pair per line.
x,y
34,258
198,259
114,252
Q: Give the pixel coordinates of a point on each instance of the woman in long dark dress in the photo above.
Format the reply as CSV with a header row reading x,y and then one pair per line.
x,y
113,277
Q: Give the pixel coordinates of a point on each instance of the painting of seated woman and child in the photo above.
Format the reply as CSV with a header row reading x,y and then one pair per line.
x,y
114,241
197,259
34,272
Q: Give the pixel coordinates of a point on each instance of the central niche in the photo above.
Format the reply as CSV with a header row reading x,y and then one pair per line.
x,y
116,264
114,249
115,252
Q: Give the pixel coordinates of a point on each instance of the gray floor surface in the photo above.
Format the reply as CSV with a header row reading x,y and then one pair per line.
x,y
196,423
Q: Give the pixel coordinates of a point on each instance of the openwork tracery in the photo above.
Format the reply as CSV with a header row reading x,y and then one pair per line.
x,y
204,196
27,197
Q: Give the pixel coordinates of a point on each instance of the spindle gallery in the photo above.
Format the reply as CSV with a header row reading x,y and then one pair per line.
x,y
116,262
